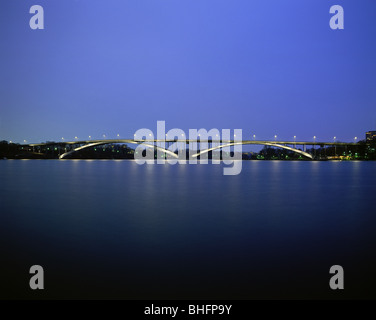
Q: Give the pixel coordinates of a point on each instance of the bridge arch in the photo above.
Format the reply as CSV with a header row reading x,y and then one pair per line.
x,y
99,143
147,144
306,154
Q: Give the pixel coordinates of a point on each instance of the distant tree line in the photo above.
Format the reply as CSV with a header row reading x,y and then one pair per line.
x,y
53,150
361,151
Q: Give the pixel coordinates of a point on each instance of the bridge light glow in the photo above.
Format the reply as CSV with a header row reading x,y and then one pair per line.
x,y
118,135
254,137
89,137
24,141
62,138
104,136
76,138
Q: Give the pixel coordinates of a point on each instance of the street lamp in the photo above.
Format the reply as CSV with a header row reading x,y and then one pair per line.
x,y
90,137
314,147
104,136
118,135
275,138
76,138
254,137
335,146
356,138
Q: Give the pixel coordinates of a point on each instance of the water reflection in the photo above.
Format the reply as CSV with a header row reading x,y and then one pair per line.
x,y
186,230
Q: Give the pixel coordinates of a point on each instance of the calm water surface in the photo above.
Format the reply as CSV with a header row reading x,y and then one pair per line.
x,y
114,229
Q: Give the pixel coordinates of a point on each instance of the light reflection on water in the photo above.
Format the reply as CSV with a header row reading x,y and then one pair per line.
x,y
118,229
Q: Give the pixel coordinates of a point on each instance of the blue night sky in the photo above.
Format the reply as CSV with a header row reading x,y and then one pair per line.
x,y
108,67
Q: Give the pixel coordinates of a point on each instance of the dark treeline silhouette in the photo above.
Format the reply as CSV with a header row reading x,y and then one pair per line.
x,y
360,151
111,151
52,150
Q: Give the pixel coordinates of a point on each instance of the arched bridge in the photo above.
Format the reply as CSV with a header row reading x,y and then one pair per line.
x,y
209,145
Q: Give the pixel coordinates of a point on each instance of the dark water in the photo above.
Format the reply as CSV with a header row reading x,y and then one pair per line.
x,y
114,229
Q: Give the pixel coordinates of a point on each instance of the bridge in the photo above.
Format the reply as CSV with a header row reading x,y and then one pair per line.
x,y
67,148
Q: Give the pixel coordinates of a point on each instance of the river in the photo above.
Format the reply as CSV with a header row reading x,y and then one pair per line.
x,y
116,229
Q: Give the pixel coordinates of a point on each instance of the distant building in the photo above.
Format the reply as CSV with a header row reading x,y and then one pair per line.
x,y
371,136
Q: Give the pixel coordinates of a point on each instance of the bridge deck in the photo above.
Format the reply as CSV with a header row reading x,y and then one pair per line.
x,y
187,141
